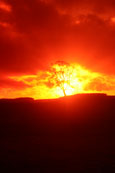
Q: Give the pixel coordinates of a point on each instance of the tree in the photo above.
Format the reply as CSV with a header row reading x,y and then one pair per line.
x,y
60,75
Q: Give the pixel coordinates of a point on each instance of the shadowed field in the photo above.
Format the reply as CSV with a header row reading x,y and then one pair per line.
x,y
71,134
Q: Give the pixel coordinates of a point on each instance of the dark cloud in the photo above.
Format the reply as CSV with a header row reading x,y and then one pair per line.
x,y
40,31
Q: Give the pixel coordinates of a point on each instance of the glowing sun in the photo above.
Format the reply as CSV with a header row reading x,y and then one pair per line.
x,y
61,79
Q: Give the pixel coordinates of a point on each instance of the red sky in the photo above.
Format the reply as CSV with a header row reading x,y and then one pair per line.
x,y
34,33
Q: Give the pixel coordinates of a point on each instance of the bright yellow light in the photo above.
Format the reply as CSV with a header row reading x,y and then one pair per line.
x,y
71,78
59,78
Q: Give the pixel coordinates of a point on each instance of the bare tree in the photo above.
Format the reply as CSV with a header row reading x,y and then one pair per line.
x,y
60,75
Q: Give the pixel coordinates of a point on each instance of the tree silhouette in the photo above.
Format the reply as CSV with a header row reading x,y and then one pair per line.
x,y
60,75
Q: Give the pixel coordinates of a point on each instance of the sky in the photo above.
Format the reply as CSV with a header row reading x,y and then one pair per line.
x,y
35,33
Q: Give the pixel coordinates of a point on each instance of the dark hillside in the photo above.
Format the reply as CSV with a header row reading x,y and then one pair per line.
x,y
71,134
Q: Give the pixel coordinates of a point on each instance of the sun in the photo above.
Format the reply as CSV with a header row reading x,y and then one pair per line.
x,y
64,76
60,79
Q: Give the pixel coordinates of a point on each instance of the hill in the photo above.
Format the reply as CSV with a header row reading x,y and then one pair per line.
x,y
71,134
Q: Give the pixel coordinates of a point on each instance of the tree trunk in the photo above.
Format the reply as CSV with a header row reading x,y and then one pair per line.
x,y
64,92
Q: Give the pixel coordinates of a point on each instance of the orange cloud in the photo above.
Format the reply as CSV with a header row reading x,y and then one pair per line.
x,y
5,7
4,24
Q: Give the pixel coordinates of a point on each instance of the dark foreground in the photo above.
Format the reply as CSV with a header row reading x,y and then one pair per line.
x,y
75,134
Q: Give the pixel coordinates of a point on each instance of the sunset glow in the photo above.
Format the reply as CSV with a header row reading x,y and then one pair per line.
x,y
73,78
36,35
57,85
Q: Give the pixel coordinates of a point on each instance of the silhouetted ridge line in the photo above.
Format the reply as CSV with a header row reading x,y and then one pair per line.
x,y
25,99
72,97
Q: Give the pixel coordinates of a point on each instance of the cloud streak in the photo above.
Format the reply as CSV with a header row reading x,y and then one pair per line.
x,y
42,85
